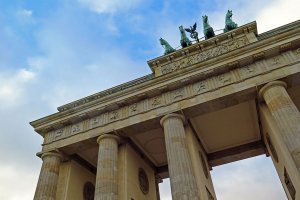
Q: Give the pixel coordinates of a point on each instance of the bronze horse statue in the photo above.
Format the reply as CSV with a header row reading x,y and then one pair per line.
x,y
229,24
184,41
166,46
207,29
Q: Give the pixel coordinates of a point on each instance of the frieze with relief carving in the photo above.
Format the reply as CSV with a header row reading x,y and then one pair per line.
x,y
198,88
156,101
205,55
58,133
114,115
276,61
178,94
133,109
96,121
249,71
76,128
224,79
201,87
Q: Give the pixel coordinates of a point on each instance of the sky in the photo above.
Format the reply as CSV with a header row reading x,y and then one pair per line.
x,y
53,52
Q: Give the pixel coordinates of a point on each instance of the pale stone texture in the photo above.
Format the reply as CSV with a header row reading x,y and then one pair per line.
x,y
200,165
72,179
107,168
286,115
182,179
130,162
282,158
47,183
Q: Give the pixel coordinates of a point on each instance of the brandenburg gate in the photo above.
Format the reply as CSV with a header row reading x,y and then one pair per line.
x,y
230,97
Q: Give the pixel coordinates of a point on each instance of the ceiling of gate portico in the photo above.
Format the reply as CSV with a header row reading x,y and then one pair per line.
x,y
227,128
152,143
220,130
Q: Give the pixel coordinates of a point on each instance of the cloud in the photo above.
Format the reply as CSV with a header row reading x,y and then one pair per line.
x,y
25,17
16,178
109,6
286,12
77,62
13,87
253,178
25,12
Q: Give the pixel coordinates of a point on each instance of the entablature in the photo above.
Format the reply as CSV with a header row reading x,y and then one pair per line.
x,y
226,69
196,99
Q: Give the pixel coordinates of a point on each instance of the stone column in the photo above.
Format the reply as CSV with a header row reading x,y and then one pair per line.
x,y
107,168
285,114
182,179
47,183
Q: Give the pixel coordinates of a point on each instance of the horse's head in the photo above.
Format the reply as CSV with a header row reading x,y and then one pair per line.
x,y
181,29
205,18
229,14
162,41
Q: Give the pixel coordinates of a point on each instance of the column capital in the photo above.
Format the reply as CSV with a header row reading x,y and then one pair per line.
x,y
106,135
55,154
172,115
270,85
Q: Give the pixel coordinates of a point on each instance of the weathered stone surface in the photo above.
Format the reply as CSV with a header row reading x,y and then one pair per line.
x,y
107,169
47,183
182,179
285,114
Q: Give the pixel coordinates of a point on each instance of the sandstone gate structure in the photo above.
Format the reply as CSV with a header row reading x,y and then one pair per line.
x,y
231,97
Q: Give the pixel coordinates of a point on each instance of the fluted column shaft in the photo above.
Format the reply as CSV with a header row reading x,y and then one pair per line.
x,y
47,183
286,115
182,179
107,168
